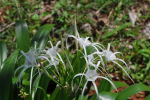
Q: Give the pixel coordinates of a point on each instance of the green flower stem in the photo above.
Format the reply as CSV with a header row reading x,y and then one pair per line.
x,y
44,71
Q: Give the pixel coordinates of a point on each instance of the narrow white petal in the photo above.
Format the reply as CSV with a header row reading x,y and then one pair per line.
x,y
108,48
25,55
58,43
74,77
21,74
31,78
96,89
123,70
107,80
117,53
83,90
61,60
81,79
124,63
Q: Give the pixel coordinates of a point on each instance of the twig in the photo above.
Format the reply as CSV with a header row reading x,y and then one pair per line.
x,y
42,20
11,24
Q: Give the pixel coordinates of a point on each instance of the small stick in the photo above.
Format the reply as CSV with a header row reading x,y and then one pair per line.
x,y
11,24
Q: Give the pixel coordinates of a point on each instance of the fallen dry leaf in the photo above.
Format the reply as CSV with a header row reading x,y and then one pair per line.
x,y
133,17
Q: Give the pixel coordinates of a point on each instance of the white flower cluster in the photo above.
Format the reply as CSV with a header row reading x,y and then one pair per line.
x,y
104,55
98,57
32,60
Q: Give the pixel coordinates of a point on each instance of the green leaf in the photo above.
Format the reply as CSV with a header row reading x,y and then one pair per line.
x,y
131,90
57,6
104,86
41,35
118,84
6,76
5,4
54,95
44,92
147,98
63,2
25,80
3,53
84,98
78,62
115,30
22,34
108,95
35,17
43,83
144,51
61,93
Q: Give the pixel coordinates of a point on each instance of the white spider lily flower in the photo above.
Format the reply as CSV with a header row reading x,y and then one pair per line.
x,y
91,59
84,42
31,58
52,53
110,56
53,50
91,75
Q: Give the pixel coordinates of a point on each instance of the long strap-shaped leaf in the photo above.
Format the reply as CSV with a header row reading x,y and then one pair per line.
x,y
131,90
23,39
6,75
108,96
118,84
148,97
3,53
41,35
22,34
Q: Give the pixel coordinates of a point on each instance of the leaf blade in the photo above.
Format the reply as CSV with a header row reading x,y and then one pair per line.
x,y
22,34
6,75
3,53
131,90
41,35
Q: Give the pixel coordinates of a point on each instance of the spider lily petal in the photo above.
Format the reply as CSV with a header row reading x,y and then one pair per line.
x,y
74,77
91,75
123,70
83,89
110,56
25,67
96,90
30,61
53,50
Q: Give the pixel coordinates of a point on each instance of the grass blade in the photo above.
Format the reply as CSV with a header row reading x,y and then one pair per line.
x,y
115,30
